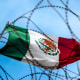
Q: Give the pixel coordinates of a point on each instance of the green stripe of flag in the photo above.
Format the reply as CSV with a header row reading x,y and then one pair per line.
x,y
18,42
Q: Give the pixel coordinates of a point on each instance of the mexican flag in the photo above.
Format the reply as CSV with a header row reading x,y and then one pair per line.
x,y
39,49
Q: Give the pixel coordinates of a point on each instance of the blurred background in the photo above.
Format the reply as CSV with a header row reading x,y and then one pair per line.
x,y
54,17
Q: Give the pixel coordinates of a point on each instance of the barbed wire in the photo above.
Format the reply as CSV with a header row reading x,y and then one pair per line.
x,y
6,74
46,72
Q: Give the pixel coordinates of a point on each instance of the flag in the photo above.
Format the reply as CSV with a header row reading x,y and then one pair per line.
x,y
39,49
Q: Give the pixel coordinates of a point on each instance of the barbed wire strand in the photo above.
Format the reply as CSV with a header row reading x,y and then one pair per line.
x,y
29,19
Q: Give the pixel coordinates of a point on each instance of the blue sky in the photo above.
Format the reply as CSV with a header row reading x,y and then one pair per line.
x,y
48,20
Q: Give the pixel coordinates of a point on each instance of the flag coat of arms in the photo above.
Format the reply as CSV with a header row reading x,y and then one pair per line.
x,y
35,48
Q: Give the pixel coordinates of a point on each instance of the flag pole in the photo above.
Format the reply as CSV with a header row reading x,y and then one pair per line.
x,y
3,31
1,34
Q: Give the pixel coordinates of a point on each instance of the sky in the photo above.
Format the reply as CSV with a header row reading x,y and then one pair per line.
x,y
48,21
